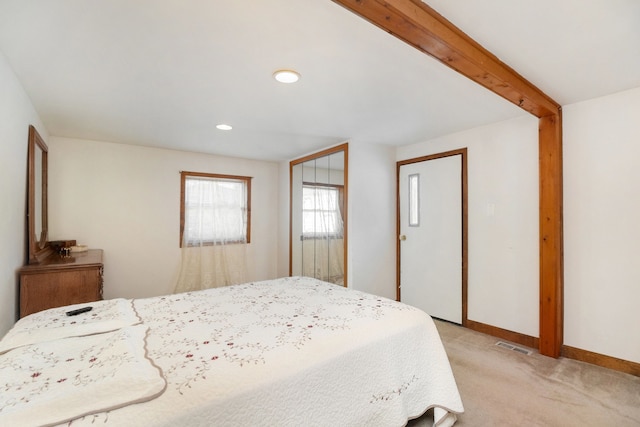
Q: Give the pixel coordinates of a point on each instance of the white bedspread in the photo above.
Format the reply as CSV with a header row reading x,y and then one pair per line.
x,y
57,381
53,324
289,352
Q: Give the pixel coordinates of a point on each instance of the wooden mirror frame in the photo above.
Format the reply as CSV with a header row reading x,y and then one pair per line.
x,y
38,245
344,148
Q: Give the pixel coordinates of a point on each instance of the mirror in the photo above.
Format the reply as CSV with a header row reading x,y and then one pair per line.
x,y
318,216
37,198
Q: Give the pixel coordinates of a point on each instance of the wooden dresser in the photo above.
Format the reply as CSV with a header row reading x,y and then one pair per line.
x,y
58,281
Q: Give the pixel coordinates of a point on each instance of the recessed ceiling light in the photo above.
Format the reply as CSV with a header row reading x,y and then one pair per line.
x,y
286,76
224,127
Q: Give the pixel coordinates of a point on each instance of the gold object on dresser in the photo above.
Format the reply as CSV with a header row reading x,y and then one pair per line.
x,y
58,281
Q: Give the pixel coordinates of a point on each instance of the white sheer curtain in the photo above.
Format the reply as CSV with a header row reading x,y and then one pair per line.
x,y
322,230
214,241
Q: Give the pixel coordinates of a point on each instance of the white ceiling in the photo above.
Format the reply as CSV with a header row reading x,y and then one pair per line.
x,y
165,72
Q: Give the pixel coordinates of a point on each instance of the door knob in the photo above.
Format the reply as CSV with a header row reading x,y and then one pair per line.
x,y
403,237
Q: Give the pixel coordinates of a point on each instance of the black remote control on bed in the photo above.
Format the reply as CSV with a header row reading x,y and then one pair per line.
x,y
78,311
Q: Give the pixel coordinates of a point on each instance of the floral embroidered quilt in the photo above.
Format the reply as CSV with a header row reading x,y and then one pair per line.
x,y
59,380
288,352
52,324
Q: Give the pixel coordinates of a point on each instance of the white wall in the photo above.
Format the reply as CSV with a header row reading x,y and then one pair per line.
x,y
372,219
283,219
602,225
16,114
503,284
125,200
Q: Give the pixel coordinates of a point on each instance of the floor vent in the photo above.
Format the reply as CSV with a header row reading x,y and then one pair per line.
x,y
513,347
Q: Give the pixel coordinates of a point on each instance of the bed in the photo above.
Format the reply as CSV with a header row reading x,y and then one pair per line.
x,y
286,352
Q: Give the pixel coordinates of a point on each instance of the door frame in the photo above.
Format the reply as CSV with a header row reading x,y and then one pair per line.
x,y
464,218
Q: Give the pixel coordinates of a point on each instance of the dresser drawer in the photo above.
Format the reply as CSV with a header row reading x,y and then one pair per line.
x,y
61,281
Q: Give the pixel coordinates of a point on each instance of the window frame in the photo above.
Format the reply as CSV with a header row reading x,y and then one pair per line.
x,y
340,206
414,200
184,175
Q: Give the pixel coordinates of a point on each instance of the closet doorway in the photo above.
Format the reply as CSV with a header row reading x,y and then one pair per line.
x,y
318,215
432,234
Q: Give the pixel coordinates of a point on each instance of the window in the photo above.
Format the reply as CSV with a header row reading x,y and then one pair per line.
x,y
214,209
321,214
414,200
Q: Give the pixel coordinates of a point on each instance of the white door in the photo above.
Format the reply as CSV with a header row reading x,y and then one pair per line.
x,y
431,236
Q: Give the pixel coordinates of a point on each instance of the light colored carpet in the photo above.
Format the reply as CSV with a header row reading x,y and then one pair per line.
x,y
501,387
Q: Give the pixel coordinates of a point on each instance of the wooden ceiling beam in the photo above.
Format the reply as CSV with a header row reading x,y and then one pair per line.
x,y
423,28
